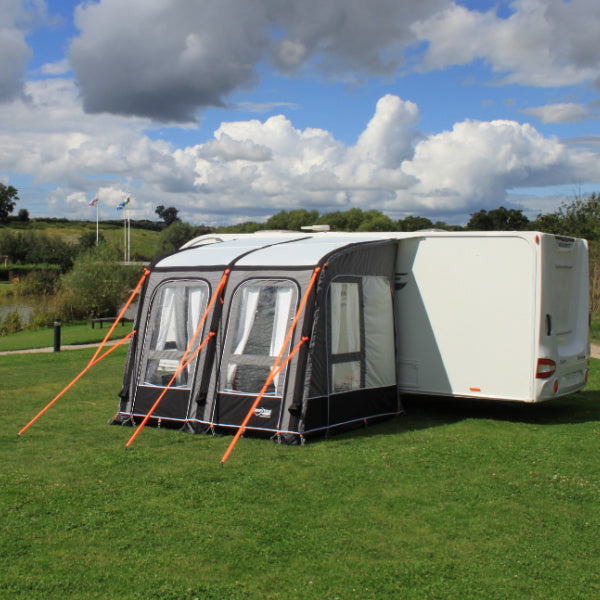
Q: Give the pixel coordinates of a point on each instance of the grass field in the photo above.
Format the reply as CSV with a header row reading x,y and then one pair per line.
x,y
144,242
70,334
452,500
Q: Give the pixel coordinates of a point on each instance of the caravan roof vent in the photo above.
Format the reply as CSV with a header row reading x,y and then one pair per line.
x,y
315,228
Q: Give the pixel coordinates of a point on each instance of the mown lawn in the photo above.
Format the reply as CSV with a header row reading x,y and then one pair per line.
x,y
70,334
453,500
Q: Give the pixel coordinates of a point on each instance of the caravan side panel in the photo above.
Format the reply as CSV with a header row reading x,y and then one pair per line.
x,y
466,315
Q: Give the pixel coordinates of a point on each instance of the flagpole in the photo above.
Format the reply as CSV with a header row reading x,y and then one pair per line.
x,y
125,236
97,234
128,236
126,229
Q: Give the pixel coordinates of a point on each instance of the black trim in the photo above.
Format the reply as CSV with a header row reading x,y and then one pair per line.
x,y
231,410
174,404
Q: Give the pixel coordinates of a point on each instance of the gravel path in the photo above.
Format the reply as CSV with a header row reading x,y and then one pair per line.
x,y
65,347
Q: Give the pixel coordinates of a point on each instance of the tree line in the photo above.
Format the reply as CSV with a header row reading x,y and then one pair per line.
x,y
89,279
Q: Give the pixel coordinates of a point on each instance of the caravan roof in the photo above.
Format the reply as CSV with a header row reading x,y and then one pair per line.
x,y
266,250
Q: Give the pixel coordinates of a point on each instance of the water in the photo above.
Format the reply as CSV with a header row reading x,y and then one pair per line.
x,y
24,306
28,305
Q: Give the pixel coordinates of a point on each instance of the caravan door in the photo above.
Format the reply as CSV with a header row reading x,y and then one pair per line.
x,y
176,309
260,316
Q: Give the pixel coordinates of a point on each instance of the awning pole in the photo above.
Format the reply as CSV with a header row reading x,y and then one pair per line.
x,y
181,367
275,369
87,368
272,375
123,310
183,363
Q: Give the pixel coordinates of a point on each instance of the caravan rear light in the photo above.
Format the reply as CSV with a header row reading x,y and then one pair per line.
x,y
545,368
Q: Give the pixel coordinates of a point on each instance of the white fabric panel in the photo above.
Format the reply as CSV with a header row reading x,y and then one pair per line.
x,y
246,317
283,303
379,332
196,308
164,317
282,313
345,317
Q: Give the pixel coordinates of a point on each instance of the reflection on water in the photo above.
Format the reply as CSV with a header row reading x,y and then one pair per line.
x,y
24,306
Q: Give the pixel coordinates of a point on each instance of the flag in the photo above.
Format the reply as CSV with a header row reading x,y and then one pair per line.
x,y
93,202
123,204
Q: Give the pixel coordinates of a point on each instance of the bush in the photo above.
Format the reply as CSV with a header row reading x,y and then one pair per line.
x,y
41,319
30,247
98,284
11,324
38,283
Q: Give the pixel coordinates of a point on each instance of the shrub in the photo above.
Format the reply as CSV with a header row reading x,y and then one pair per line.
x,y
98,284
38,283
12,323
41,319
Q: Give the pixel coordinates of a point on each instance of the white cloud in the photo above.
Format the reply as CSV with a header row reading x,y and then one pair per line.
x,y
251,169
14,51
475,164
176,58
543,43
564,112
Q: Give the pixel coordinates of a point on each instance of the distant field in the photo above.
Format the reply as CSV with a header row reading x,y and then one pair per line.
x,y
453,500
144,242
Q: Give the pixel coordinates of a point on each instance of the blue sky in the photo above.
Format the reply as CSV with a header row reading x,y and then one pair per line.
x,y
236,110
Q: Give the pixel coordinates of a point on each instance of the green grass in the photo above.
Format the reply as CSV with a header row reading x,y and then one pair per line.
x,y
7,290
454,500
144,242
77,333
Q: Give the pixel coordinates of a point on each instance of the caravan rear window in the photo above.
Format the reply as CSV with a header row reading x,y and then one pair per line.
x,y
175,313
261,315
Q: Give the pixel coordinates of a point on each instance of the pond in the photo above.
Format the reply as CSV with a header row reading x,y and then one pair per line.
x,y
27,306
24,306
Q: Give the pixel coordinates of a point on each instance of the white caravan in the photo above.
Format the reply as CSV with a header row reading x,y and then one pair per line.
x,y
492,315
496,315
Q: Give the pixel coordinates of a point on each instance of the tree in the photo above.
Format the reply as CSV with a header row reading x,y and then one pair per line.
x,y
293,220
87,240
581,217
374,220
168,215
499,219
23,215
174,236
412,223
97,285
8,199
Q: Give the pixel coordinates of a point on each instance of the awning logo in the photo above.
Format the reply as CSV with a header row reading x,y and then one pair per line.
x,y
263,413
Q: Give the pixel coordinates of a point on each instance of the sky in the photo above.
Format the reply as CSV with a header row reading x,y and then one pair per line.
x,y
233,110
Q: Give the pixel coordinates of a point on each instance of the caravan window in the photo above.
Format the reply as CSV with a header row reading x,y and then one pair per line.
x,y
260,317
175,312
361,333
346,338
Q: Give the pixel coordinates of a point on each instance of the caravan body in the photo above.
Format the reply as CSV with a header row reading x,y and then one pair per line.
x,y
497,315
326,301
